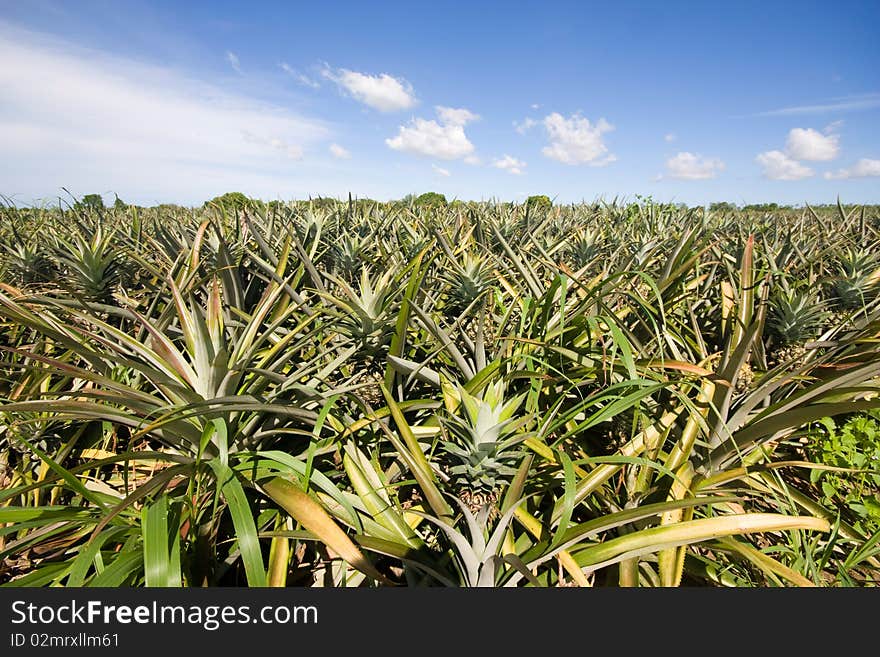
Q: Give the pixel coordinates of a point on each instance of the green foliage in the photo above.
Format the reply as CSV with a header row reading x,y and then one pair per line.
x,y
232,202
431,199
539,202
852,443
356,393
762,207
90,202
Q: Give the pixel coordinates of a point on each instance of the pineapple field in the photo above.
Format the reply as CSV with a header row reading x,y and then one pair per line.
x,y
361,394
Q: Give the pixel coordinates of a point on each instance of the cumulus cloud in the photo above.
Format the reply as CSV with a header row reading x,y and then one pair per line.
x,y
509,164
779,166
575,140
445,140
304,80
453,116
811,145
339,152
143,131
693,166
525,125
232,58
864,168
382,92
440,171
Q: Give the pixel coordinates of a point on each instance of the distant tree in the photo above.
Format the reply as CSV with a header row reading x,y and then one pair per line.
x,y
539,202
326,202
232,202
432,199
762,207
90,202
722,206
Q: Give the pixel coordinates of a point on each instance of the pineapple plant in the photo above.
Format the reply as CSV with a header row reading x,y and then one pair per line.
x,y
28,263
480,455
242,370
366,316
91,264
583,249
347,256
466,282
854,285
794,317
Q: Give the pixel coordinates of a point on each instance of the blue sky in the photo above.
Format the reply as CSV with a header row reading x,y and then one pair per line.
x,y
685,101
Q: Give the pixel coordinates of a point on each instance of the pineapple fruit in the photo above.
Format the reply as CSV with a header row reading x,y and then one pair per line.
x,y
481,452
743,382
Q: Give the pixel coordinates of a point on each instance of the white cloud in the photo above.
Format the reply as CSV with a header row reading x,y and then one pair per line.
x,y
536,106
523,126
293,151
670,137
840,104
811,145
339,152
509,164
453,116
445,140
299,77
576,141
693,166
472,160
864,168
440,171
82,119
779,166
382,92
232,58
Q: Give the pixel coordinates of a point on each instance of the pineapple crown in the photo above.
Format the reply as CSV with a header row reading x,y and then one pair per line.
x,y
857,273
484,437
856,264
584,247
794,317
467,280
487,419
366,313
